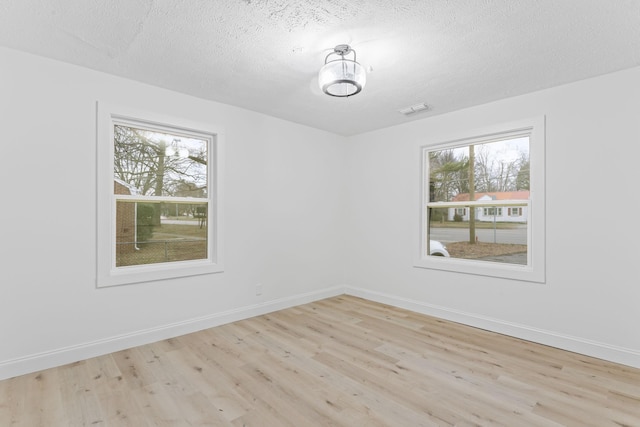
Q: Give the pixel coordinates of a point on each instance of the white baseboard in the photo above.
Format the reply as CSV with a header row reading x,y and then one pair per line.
x,y
599,350
65,355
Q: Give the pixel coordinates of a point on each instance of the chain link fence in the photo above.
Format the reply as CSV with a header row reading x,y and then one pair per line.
x,y
159,251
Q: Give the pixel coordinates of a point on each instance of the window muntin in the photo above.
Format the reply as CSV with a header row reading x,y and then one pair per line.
x,y
159,197
501,233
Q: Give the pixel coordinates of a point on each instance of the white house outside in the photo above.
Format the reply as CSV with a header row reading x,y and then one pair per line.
x,y
492,213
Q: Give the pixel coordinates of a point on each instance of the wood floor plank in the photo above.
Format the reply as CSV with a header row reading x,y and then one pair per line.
x,y
342,361
14,404
78,396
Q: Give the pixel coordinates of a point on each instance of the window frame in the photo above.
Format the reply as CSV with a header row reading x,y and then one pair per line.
x,y
108,115
535,269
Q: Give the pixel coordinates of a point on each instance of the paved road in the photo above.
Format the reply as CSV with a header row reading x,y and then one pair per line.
x,y
180,221
448,235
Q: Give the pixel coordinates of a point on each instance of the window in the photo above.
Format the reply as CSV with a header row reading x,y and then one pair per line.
x,y
468,185
492,211
159,197
515,211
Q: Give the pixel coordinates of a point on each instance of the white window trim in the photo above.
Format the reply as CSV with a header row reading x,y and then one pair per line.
x,y
107,273
535,270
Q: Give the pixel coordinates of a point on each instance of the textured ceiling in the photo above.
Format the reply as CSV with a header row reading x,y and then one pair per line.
x,y
264,55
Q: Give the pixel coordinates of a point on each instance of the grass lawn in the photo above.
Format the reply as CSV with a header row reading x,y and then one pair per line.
x,y
477,250
169,242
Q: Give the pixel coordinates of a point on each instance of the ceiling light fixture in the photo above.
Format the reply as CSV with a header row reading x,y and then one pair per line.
x,y
342,77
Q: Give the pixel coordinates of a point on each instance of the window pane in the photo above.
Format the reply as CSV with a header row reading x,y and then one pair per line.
x,y
155,163
495,239
482,174
499,166
150,233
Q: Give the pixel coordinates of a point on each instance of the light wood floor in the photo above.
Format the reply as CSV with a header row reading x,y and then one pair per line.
x,y
343,361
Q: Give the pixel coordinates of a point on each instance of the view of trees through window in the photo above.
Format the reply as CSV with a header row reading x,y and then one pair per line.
x,y
160,187
479,200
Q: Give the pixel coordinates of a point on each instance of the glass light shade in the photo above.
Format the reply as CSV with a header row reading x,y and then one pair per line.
x,y
342,78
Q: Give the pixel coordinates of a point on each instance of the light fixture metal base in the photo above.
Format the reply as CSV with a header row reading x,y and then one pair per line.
x,y
342,49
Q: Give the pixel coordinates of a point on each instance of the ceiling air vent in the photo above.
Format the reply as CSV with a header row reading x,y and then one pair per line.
x,y
414,109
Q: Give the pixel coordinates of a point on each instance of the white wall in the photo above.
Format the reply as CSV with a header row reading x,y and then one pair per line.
x,y
283,217
306,210
590,300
